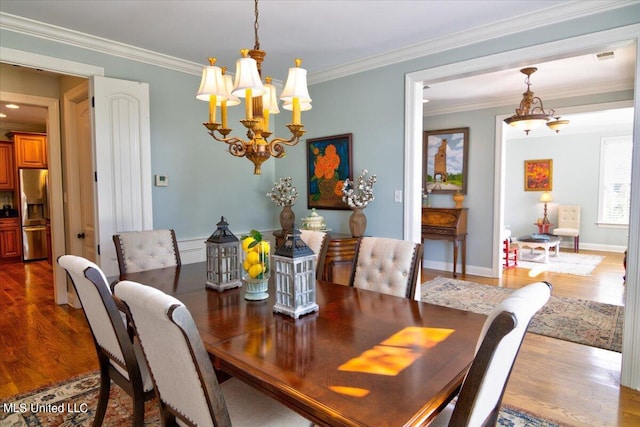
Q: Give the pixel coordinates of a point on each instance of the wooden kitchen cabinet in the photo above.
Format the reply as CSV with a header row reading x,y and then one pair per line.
x,y
7,171
30,149
10,242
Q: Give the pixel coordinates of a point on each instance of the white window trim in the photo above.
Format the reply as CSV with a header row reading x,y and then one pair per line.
x,y
603,143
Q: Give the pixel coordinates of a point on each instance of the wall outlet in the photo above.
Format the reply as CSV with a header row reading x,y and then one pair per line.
x,y
397,196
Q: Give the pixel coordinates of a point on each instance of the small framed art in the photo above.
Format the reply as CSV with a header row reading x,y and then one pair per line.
x,y
445,160
538,175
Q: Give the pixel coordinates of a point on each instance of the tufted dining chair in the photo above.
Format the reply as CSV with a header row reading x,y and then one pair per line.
x,y
146,250
569,224
478,403
186,383
318,242
385,265
119,354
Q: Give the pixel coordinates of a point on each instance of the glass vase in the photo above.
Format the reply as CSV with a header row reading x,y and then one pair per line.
x,y
256,270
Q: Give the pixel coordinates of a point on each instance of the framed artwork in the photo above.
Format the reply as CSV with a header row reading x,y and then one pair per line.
x,y
445,160
329,163
538,175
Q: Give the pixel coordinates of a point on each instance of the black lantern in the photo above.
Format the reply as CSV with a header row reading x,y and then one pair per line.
x,y
295,273
223,259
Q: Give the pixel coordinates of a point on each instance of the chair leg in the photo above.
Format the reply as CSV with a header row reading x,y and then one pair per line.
x,y
576,244
105,386
138,410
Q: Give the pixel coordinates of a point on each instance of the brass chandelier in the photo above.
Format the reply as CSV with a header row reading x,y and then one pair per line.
x,y
530,113
217,88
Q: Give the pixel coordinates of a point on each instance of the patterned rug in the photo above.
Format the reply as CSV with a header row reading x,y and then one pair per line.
x,y
569,319
72,403
565,262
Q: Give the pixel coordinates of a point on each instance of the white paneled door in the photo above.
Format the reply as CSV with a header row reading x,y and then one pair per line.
x,y
122,158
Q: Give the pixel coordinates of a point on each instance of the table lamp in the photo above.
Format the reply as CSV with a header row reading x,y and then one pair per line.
x,y
545,197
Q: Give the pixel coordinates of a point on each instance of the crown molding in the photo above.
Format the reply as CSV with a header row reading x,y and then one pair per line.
x,y
471,105
494,30
490,31
46,31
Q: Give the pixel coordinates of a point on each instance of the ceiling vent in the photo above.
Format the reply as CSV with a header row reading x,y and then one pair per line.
x,y
605,55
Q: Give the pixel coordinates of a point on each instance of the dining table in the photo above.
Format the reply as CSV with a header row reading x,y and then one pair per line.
x,y
363,359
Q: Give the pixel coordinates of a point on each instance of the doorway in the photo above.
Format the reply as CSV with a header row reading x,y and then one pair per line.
x,y
30,60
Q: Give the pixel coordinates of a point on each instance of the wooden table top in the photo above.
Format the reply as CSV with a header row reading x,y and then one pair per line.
x,y
364,359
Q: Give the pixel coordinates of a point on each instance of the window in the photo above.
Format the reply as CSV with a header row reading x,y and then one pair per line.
x,y
615,180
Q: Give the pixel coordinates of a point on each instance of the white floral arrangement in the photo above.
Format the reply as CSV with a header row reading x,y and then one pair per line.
x,y
283,192
359,193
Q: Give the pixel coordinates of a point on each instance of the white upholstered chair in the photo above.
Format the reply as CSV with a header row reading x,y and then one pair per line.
x,y
119,354
569,224
185,381
146,250
478,403
385,265
318,242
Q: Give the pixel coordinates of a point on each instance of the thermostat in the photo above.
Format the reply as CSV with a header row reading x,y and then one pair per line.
x,y
162,181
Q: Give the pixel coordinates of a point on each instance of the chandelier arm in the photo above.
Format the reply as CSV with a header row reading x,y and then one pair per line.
x,y
276,149
237,146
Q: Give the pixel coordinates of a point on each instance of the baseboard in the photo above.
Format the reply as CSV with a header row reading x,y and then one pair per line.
x,y
594,247
448,266
194,250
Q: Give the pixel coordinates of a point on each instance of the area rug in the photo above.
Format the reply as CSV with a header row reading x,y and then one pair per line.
x,y
74,402
565,262
570,319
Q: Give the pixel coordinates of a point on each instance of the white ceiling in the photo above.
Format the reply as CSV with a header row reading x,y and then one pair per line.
x,y
335,35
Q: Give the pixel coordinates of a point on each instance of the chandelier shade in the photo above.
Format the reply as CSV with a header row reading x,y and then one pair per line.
x,y
296,86
232,100
260,101
531,114
247,77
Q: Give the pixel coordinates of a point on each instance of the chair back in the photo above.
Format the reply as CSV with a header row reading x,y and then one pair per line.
x,y
106,321
385,265
569,216
499,343
184,377
318,242
146,250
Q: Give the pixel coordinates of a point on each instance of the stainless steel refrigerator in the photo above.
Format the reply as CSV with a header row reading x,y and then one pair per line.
x,y
35,213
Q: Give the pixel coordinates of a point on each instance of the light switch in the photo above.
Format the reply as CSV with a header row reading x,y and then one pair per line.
x,y
397,196
162,181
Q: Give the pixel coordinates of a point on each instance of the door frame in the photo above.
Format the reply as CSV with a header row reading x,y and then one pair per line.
x,y
56,192
630,375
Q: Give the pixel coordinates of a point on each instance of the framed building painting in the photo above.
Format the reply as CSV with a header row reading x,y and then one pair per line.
x,y
538,175
329,163
445,160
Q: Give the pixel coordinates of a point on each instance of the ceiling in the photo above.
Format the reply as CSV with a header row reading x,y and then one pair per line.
x,y
332,35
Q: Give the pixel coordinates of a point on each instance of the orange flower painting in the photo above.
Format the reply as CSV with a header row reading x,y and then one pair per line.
x,y
538,175
329,164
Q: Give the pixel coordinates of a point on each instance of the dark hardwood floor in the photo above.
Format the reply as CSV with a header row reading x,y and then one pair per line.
x,y
573,384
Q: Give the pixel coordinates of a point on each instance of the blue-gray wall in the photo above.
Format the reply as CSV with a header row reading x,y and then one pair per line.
x,y
206,182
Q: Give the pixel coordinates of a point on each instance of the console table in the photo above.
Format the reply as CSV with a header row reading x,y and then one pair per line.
x,y
447,224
